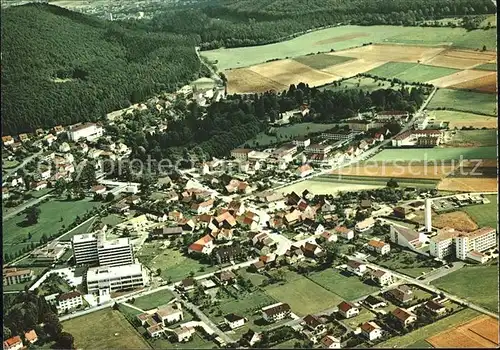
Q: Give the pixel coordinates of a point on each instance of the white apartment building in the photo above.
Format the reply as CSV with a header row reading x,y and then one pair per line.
x,y
68,301
442,244
240,153
475,241
87,131
14,276
319,149
275,312
85,248
114,253
115,278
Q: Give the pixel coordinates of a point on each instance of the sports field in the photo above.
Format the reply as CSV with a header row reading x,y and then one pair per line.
x,y
466,101
473,138
411,72
106,329
484,214
346,287
435,154
343,37
458,119
477,284
53,216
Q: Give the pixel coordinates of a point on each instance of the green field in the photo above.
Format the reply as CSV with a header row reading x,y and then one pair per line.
x,y
466,101
196,343
106,329
361,83
484,214
53,216
84,228
357,183
478,284
398,262
487,66
438,154
423,333
463,119
322,61
303,296
344,37
476,138
346,287
411,72
288,133
151,301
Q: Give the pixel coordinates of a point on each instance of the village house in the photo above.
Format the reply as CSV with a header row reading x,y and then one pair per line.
x,y
329,237
379,247
313,227
31,336
227,253
234,321
347,309
251,337
240,153
435,307
184,334
382,278
98,189
170,313
314,324
187,284
294,255
374,302
13,343
262,243
165,231
371,331
356,268
401,294
312,251
276,312
225,277
7,140
330,342
204,245
38,185
203,208
344,232
404,317
304,170
68,301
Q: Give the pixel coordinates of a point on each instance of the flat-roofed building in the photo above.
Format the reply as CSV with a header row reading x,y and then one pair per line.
x,y
475,241
15,275
89,131
116,278
116,252
85,248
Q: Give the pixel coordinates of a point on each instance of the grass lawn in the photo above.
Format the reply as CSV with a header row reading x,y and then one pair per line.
x,y
344,37
398,262
421,344
476,138
255,278
247,304
303,295
466,101
84,228
53,215
129,311
484,214
429,154
112,220
173,263
196,343
151,301
364,316
289,344
321,60
487,66
288,132
346,287
425,332
463,119
108,328
411,72
478,284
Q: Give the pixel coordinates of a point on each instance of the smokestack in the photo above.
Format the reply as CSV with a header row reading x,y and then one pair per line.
x,y
428,215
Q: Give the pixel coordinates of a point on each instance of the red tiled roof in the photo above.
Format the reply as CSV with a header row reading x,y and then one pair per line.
x,y
345,306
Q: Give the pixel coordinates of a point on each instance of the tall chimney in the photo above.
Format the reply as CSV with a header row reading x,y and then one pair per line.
x,y
428,215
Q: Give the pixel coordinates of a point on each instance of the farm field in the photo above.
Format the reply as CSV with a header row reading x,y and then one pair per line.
x,y
481,332
458,220
392,53
424,332
411,71
303,296
461,59
343,37
151,301
327,187
375,181
107,328
381,169
244,80
473,138
486,84
321,60
460,78
478,284
469,184
437,154
53,216
487,66
466,101
463,119
346,287
288,132
352,68
484,214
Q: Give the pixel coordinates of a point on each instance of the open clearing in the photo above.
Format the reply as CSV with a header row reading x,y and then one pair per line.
x,y
321,61
326,187
383,169
344,37
106,329
484,214
461,59
422,333
481,332
466,101
437,154
477,284
473,138
483,84
469,184
245,81
411,71
460,77
346,287
464,119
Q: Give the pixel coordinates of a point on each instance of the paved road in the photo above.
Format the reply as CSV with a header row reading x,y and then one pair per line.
x,y
430,288
22,207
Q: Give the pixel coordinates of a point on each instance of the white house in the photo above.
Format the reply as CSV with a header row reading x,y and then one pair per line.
x,y
348,309
13,343
379,247
276,312
68,301
234,321
356,268
170,313
89,131
382,278
371,330
330,342
344,232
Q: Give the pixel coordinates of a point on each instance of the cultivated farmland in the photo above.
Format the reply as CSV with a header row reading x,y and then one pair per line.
x,y
458,119
383,169
393,53
456,219
486,83
487,66
466,101
437,154
244,80
473,138
484,214
322,61
469,184
460,78
411,71
328,186
352,68
461,59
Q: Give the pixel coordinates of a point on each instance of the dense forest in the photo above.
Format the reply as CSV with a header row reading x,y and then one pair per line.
x,y
254,22
227,124
62,67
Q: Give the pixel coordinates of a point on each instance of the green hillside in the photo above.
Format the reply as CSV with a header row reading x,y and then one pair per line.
x,y
60,67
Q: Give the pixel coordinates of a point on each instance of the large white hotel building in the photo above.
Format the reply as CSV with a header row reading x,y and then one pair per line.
x,y
91,248
107,279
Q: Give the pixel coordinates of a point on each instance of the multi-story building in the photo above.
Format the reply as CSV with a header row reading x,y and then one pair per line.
x,y
380,247
302,142
85,248
276,312
421,138
318,149
115,278
285,152
114,253
467,244
14,276
340,135
68,301
240,153
442,245
89,131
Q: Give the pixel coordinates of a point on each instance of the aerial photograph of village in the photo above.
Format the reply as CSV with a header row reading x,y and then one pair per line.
x,y
279,174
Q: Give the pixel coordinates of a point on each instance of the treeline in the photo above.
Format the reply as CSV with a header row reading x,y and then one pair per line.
x,y
225,125
62,67
250,22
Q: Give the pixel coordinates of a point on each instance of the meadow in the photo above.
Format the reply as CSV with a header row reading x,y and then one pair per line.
x,y
487,66
346,287
328,186
435,154
343,37
466,101
459,120
474,138
411,72
484,214
153,300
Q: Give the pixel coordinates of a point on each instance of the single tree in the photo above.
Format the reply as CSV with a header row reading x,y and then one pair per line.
x,y
32,215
